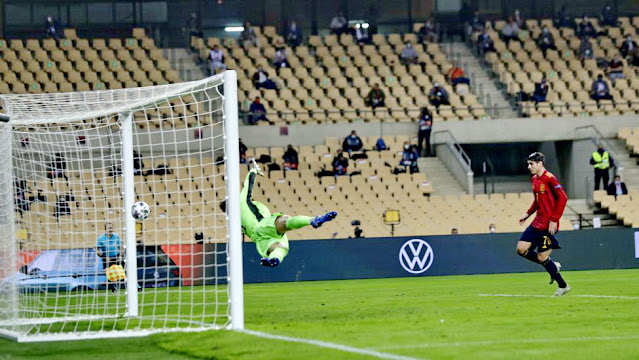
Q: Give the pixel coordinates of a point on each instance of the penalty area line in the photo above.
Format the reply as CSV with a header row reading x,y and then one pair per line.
x,y
568,295
329,345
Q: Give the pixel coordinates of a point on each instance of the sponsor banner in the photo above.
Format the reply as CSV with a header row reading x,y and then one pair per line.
x,y
605,248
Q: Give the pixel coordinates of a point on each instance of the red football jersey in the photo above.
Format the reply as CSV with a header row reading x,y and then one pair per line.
x,y
550,200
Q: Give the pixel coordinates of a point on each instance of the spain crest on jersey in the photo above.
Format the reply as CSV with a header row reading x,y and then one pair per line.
x,y
542,188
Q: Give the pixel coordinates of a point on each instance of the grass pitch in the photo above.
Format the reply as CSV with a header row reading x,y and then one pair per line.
x,y
422,318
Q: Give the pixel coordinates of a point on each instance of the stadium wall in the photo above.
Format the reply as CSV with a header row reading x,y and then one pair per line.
x,y
466,132
440,255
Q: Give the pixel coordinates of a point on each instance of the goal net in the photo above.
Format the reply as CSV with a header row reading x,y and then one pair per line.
x,y
74,263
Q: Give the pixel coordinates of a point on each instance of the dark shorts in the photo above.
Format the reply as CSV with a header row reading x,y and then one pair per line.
x,y
540,239
108,261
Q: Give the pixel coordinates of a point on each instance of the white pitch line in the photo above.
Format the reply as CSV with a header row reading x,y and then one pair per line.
x,y
570,295
324,344
510,341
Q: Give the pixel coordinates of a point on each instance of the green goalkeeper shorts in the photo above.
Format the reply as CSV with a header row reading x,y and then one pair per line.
x,y
265,234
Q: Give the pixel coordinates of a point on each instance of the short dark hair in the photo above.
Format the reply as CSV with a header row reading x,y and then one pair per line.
x,y
536,157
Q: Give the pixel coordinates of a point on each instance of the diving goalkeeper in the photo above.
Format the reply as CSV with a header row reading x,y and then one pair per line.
x,y
268,231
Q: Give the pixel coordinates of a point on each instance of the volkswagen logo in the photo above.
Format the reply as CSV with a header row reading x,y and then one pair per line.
x,y
416,256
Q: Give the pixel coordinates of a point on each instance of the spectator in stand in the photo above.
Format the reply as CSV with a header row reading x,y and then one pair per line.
x,y
454,231
194,27
510,31
546,40
423,134
492,228
564,19
247,37
476,23
281,58
294,35
585,49
634,57
410,155
352,143
485,43
243,150
339,24
261,80
600,89
628,46
456,75
57,167
340,164
257,112
615,69
438,96
427,33
586,28
62,205
617,187
217,59
541,91
608,16
409,54
291,159
375,97
54,30
362,34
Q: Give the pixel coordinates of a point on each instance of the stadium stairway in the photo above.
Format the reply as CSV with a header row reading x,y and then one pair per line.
x,y
576,207
185,63
471,64
630,174
440,177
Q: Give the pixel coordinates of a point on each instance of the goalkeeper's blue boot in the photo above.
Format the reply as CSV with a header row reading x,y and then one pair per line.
x,y
319,220
273,262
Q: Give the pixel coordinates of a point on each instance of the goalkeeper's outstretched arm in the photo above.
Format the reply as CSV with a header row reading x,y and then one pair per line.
x,y
249,182
247,190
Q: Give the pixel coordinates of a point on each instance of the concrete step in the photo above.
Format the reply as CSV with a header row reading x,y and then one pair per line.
x,y
444,183
186,63
483,78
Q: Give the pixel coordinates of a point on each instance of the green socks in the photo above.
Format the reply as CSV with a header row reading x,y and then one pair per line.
x,y
298,222
278,253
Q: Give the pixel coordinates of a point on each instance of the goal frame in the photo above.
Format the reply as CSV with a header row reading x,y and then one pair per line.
x,y
234,278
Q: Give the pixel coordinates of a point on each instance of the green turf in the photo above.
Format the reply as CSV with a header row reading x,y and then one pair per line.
x,y
424,317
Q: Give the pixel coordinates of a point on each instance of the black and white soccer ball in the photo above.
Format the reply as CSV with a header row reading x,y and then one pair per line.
x,y
140,210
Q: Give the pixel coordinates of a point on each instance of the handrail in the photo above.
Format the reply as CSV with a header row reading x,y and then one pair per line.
x,y
461,154
582,220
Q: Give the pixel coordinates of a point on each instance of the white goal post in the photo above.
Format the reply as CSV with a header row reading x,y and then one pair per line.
x,y
71,167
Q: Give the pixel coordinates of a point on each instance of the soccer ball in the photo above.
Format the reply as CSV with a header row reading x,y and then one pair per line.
x,y
140,210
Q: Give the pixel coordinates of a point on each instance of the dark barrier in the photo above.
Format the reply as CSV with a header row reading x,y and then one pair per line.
x,y
438,255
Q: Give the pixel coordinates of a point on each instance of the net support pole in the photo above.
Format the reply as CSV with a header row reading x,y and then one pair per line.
x,y
231,145
8,247
129,221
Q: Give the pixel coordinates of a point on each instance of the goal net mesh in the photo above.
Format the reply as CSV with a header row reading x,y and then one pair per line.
x,y
63,214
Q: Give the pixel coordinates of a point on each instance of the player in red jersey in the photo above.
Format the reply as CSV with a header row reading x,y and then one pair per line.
x,y
550,200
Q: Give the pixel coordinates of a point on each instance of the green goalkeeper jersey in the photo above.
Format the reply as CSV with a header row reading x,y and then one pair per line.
x,y
257,221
